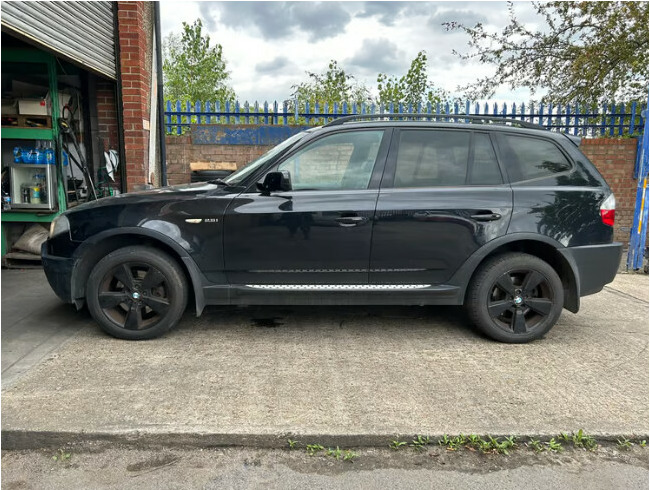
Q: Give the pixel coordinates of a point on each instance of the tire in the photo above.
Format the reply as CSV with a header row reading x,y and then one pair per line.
x,y
515,298
137,293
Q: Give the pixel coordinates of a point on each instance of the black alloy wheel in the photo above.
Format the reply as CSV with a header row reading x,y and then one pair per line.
x,y
520,300
137,293
515,298
134,295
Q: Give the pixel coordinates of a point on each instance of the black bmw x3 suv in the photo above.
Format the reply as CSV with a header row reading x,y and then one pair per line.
x,y
501,216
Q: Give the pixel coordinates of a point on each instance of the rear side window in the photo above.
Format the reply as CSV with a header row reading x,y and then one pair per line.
x,y
531,158
484,169
432,158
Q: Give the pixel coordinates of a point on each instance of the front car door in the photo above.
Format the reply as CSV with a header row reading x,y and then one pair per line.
x,y
317,233
443,197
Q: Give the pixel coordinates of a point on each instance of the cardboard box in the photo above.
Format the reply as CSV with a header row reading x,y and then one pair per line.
x,y
32,107
9,107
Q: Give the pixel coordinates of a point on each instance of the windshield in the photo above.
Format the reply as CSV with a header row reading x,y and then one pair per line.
x,y
236,177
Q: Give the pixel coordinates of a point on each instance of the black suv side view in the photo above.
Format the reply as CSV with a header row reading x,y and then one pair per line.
x,y
502,216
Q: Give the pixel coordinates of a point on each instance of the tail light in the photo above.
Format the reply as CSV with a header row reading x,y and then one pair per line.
x,y
608,210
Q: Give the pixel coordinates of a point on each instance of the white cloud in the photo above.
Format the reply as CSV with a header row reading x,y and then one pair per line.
x,y
270,45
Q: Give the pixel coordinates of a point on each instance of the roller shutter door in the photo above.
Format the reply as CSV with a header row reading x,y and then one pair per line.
x,y
83,32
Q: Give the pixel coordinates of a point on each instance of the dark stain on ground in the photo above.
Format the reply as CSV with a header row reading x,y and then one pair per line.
x,y
267,322
150,464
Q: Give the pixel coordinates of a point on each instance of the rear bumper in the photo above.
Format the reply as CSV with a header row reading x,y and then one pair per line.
x,y
58,271
596,265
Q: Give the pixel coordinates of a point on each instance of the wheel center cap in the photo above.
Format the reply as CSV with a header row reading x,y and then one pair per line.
x,y
136,295
518,300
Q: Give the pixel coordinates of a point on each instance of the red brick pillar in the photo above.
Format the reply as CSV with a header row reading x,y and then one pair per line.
x,y
135,33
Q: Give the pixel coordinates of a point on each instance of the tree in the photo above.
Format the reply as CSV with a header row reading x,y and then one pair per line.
x,y
585,51
192,69
334,85
412,88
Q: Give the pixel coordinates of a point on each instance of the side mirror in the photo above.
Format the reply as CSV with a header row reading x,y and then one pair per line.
x,y
275,181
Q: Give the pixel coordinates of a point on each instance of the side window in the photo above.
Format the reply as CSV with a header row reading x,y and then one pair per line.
x,y
338,161
530,158
428,158
485,169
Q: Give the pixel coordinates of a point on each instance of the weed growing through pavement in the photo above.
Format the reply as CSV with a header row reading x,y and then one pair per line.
x,y
420,442
395,445
350,456
313,448
624,443
62,456
292,443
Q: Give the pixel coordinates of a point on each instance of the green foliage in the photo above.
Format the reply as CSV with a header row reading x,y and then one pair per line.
x,y
292,443
62,456
624,443
335,453
350,456
419,442
313,448
582,440
192,69
412,88
397,444
587,51
554,446
333,85
536,445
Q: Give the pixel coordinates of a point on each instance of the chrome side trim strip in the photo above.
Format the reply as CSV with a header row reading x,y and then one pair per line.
x,y
337,287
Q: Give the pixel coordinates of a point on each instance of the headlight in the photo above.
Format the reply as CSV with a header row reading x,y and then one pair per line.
x,y
59,225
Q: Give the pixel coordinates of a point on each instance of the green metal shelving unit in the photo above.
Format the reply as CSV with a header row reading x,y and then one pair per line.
x,y
51,134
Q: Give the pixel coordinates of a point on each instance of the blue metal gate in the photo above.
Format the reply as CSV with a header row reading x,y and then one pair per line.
x,y
639,231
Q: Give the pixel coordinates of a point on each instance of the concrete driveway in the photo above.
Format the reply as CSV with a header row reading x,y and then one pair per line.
x,y
340,376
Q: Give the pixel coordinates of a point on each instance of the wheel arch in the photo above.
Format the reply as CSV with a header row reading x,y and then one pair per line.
x,y
98,246
540,246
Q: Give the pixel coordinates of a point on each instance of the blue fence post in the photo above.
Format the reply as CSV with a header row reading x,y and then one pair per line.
x,y
227,111
266,112
168,116
632,119
285,109
178,117
639,230
256,108
326,111
275,112
197,109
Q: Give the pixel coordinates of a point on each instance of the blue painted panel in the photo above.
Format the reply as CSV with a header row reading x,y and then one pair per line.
x,y
218,134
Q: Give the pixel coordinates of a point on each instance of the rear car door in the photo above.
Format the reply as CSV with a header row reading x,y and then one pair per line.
x,y
442,197
319,232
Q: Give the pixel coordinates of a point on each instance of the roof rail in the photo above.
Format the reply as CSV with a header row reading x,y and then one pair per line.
x,y
485,119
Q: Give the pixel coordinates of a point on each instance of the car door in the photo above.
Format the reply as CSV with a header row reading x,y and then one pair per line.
x,y
442,197
319,232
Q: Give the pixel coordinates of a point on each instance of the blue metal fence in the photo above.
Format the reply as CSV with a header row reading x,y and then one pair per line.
x,y
639,230
604,120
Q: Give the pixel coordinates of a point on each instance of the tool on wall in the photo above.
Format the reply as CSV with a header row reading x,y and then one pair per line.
x,y
68,134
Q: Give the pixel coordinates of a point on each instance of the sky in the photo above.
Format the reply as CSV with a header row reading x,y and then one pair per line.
x,y
268,46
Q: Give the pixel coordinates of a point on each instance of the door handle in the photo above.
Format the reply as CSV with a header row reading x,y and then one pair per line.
x,y
486,216
351,220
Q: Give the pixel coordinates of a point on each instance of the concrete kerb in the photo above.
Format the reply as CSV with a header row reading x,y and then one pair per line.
x,y
31,440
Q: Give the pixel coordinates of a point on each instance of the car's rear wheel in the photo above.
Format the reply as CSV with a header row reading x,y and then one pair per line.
x,y
515,298
136,293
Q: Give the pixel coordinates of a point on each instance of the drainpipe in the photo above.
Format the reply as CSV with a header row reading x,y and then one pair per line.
x,y
118,103
161,102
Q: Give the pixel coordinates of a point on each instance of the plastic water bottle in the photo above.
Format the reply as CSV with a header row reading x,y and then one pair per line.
x,y
18,154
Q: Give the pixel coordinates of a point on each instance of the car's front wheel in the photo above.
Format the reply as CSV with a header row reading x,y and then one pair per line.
x,y
136,293
515,298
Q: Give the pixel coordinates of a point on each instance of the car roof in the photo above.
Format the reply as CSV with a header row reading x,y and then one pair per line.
x,y
506,125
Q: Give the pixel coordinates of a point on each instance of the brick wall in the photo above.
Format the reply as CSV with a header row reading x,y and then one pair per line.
x,y
181,152
614,158
107,128
135,31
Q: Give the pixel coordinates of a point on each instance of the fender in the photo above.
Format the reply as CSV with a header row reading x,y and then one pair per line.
x,y
197,278
463,275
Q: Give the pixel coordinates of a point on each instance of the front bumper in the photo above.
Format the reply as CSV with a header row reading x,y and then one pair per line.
x,y
58,271
596,265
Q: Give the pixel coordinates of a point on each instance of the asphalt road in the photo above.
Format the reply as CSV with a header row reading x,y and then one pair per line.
x,y
236,469
343,376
